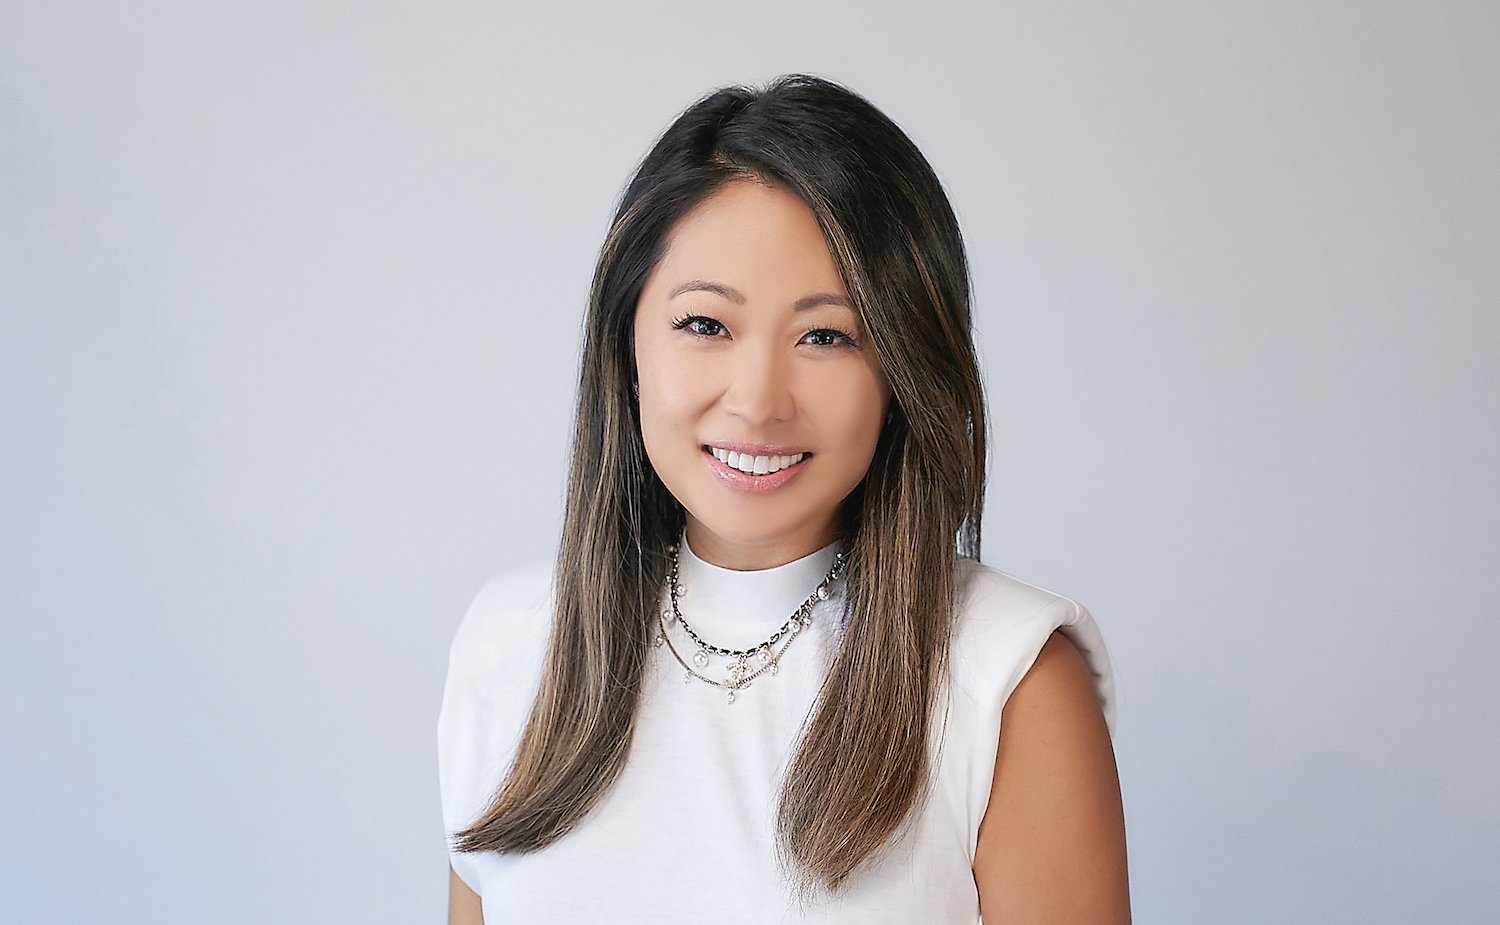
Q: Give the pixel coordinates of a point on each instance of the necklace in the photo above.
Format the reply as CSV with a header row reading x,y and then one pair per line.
x,y
741,673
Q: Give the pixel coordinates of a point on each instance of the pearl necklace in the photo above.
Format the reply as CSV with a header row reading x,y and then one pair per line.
x,y
740,671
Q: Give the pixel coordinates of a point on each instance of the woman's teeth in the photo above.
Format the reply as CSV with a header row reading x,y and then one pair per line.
x,y
755,465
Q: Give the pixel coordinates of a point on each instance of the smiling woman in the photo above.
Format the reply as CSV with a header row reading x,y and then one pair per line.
x,y
765,676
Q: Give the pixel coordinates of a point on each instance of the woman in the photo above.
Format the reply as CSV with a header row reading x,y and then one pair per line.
x,y
765,677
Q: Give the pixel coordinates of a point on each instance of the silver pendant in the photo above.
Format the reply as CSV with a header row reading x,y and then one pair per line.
x,y
729,698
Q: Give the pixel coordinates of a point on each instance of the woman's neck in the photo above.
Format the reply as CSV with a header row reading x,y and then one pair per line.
x,y
745,554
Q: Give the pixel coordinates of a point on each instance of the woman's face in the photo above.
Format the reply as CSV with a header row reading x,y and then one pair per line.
x,y
749,352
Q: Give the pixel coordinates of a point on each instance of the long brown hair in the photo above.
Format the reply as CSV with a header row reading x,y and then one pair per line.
x,y
863,760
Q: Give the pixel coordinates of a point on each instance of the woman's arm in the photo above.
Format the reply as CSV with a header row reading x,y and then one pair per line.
x,y
1052,842
463,903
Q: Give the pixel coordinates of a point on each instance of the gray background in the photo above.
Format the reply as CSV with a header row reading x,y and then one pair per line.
x,y
291,302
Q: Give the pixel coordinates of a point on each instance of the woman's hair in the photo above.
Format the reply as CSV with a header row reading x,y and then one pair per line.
x,y
863,760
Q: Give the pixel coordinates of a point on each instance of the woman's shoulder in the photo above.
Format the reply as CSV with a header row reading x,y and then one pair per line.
x,y
493,666
511,613
1000,625
986,595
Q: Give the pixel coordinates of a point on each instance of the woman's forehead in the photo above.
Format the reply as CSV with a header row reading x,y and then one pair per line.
x,y
754,242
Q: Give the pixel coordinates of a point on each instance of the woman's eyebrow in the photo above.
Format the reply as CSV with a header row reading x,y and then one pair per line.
x,y
738,298
701,285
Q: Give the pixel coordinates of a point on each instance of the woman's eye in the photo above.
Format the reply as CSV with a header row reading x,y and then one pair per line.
x,y
831,337
697,324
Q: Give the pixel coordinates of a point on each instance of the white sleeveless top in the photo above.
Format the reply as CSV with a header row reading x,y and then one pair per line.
x,y
686,833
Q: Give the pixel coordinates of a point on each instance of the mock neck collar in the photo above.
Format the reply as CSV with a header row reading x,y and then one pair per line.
x,y
733,608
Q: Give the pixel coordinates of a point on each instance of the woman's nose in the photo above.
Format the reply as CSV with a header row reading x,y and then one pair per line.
x,y
760,388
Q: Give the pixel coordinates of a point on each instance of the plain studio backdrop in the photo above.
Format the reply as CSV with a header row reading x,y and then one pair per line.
x,y
290,305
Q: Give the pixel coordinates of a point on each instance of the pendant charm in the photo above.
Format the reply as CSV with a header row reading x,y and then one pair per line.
x,y
659,640
729,698
765,654
687,677
822,594
700,658
774,665
668,616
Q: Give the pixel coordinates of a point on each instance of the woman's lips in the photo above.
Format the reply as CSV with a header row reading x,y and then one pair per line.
x,y
756,484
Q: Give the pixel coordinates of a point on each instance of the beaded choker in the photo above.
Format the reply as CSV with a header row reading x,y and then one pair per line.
x,y
739,666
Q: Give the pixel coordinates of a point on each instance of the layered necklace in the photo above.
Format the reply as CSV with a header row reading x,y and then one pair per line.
x,y
747,664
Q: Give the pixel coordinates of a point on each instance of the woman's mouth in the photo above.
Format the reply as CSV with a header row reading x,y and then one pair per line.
x,y
754,472
755,465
